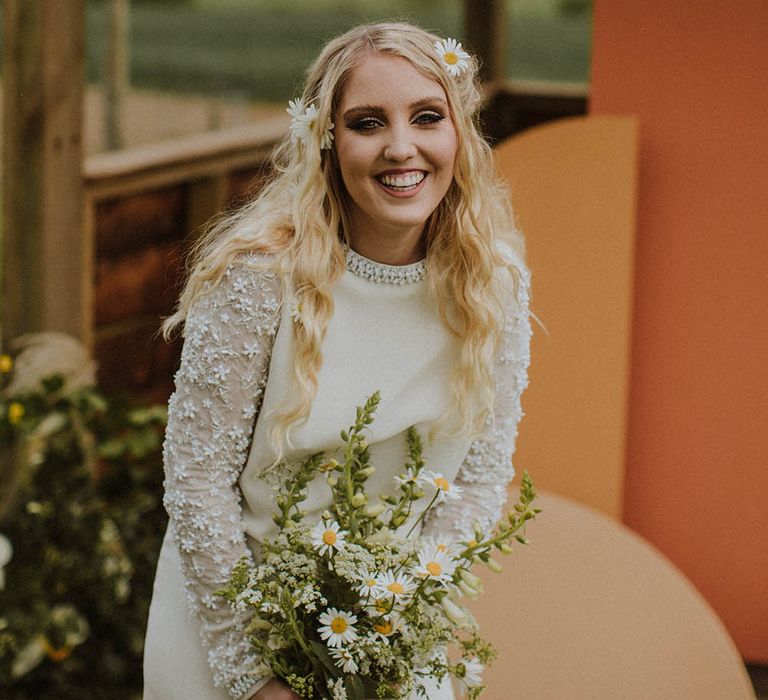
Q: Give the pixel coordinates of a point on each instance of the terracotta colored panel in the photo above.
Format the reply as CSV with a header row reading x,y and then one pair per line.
x,y
696,480
572,184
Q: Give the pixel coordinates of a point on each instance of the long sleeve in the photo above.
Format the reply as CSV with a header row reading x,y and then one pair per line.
x,y
228,339
487,469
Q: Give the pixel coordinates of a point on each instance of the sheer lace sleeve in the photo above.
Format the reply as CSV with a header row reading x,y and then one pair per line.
x,y
227,345
487,469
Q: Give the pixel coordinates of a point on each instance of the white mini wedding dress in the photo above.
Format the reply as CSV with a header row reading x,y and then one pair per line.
x,y
385,334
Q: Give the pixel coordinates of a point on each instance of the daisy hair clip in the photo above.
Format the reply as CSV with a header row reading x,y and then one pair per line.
x,y
454,58
305,125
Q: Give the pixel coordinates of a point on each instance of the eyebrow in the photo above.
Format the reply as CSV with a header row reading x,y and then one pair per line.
x,y
376,109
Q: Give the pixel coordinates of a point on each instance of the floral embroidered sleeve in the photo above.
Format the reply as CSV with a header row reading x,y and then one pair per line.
x,y
487,468
228,339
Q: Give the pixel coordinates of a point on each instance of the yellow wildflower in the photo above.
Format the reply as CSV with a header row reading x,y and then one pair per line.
x,y
6,364
15,412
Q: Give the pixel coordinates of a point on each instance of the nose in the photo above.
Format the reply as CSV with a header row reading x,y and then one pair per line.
x,y
400,146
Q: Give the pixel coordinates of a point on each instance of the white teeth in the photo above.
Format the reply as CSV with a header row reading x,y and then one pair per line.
x,y
408,180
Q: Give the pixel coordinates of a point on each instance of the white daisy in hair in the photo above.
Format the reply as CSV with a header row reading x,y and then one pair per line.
x,y
326,537
305,124
337,627
435,565
397,585
297,108
344,660
446,491
455,59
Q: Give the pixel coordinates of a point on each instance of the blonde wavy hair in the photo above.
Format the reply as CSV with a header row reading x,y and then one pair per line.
x,y
300,220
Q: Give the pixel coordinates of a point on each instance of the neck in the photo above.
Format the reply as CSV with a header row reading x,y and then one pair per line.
x,y
391,247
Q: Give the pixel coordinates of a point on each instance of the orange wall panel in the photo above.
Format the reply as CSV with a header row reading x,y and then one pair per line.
x,y
573,185
696,482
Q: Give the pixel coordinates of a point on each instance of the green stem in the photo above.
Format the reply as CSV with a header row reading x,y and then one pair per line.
x,y
423,513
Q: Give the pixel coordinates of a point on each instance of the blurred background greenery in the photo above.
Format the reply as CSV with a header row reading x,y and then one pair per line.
x,y
258,49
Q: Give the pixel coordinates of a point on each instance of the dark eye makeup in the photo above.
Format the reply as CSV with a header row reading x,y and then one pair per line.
x,y
370,123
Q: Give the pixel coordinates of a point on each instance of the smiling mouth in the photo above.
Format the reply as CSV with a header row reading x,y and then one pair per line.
x,y
402,183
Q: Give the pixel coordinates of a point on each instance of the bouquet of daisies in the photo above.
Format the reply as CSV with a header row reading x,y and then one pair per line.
x,y
352,607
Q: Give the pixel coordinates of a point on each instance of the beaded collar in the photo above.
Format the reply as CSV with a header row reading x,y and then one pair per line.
x,y
386,274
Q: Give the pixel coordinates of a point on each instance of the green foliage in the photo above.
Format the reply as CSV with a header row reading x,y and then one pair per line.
x,y
81,506
260,50
397,594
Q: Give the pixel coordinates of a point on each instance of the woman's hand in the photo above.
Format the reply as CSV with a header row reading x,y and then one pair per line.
x,y
275,690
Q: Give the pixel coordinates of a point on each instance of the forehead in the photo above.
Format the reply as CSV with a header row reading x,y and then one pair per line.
x,y
386,80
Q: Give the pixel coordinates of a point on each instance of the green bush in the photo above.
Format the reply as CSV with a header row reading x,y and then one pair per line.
x,y
81,507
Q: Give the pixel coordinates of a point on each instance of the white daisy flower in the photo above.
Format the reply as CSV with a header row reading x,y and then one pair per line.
x,y
435,565
381,607
405,479
304,124
446,491
470,672
455,59
387,626
327,537
444,545
369,584
398,586
344,660
296,108
338,627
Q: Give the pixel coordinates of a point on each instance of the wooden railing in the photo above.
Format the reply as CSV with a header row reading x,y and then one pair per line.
x,y
142,207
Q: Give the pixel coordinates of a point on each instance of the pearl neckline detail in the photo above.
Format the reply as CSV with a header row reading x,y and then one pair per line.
x,y
382,273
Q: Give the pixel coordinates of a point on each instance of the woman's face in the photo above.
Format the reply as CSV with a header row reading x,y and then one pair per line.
x,y
396,146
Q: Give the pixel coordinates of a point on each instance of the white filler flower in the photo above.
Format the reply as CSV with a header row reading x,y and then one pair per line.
x,y
456,60
338,627
445,489
326,537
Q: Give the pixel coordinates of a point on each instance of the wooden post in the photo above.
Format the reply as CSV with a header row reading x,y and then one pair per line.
x,y
117,74
485,32
46,259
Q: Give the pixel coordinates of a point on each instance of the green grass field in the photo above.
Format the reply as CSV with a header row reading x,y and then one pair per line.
x,y
258,49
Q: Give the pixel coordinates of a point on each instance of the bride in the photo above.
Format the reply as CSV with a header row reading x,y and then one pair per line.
x,y
382,256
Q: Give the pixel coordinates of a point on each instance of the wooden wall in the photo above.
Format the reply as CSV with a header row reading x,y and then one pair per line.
x,y
142,241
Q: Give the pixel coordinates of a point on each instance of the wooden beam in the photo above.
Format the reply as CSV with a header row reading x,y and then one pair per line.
x,y
46,261
196,157
485,33
117,73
